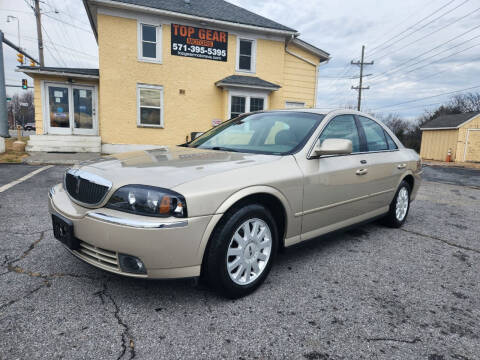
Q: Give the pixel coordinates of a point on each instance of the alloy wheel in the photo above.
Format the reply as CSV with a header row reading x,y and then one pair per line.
x,y
249,251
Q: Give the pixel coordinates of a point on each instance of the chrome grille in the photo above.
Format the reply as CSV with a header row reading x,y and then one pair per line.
x,y
85,187
103,257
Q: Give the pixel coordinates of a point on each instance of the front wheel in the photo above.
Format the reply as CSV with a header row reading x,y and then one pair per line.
x,y
241,251
399,206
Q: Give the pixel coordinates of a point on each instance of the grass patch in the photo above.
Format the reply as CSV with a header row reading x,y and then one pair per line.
x,y
10,156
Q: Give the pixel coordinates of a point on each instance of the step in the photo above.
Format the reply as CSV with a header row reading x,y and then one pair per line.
x,y
64,143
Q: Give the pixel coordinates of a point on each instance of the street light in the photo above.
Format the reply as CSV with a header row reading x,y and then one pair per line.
x,y
10,18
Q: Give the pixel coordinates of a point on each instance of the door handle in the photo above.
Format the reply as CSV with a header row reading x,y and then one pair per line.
x,y
401,166
362,171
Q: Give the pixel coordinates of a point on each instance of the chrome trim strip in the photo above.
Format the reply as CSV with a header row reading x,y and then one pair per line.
x,y
306,212
137,223
51,192
92,178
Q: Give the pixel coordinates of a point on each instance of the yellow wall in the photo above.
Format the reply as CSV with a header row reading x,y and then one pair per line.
x,y
300,77
473,148
37,95
202,102
435,144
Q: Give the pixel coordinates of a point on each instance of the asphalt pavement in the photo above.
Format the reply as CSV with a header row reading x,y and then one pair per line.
x,y
371,292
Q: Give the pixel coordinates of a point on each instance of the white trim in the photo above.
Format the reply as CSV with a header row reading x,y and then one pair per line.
x,y
301,104
158,32
71,129
247,95
300,57
312,49
57,73
197,19
148,86
440,128
253,57
466,143
240,86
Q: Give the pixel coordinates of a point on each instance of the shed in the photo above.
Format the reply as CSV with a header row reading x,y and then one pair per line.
x,y
459,133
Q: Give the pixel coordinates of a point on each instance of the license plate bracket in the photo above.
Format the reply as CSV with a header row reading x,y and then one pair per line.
x,y
63,231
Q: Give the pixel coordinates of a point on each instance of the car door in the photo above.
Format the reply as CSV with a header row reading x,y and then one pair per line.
x,y
334,185
382,162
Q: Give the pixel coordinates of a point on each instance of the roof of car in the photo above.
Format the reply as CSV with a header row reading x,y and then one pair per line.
x,y
212,9
449,121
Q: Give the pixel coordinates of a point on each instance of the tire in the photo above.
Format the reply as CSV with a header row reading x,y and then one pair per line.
x,y
232,252
395,218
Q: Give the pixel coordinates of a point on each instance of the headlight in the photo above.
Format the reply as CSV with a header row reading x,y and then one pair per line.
x,y
148,201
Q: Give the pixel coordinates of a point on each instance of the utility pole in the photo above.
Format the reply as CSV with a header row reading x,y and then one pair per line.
x,y
359,87
39,32
3,96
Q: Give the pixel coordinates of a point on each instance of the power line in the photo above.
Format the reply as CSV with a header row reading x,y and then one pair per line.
x,y
443,58
429,97
402,65
431,33
68,24
374,49
423,26
361,63
58,54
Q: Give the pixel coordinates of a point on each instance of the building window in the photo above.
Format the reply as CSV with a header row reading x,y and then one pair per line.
x,y
240,104
294,105
150,106
150,42
246,49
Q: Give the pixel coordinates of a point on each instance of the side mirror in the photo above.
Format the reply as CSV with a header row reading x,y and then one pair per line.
x,y
332,147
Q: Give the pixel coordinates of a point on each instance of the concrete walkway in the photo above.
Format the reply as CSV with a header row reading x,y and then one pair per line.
x,y
51,158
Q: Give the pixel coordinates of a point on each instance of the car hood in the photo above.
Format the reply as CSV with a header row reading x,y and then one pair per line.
x,y
169,166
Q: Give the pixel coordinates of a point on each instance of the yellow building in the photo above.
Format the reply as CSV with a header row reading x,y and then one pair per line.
x,y
458,134
168,69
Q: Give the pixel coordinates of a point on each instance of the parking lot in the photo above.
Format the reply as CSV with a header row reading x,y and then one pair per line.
x,y
371,292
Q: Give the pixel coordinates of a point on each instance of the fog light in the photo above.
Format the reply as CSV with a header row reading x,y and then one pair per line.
x,y
131,264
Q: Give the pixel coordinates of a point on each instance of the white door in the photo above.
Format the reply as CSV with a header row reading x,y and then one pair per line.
x,y
71,109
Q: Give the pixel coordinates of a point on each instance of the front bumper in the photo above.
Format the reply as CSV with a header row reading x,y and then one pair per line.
x,y
169,248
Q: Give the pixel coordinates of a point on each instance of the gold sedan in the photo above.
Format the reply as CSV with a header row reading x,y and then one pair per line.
x,y
221,206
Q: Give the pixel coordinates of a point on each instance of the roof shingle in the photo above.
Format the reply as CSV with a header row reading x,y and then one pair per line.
x,y
450,121
212,9
247,81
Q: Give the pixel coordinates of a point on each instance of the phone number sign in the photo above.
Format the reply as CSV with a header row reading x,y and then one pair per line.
x,y
199,43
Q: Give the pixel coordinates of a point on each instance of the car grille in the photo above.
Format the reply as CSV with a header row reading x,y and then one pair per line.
x,y
105,258
86,188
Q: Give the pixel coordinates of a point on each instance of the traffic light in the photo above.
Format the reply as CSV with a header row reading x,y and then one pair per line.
x,y
20,58
24,84
32,63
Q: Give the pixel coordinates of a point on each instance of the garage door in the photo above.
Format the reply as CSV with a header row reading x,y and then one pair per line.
x,y
472,152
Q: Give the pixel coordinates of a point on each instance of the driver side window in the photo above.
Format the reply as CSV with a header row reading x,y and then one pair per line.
x,y
342,127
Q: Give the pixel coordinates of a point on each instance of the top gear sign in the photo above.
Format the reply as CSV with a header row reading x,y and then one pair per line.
x,y
200,43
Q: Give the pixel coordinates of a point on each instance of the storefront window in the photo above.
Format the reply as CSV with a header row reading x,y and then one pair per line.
x,y
238,106
59,106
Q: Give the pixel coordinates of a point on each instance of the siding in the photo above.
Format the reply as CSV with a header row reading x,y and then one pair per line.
x,y
472,152
300,77
435,144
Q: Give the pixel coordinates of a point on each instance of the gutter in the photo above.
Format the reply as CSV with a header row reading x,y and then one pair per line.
x,y
224,23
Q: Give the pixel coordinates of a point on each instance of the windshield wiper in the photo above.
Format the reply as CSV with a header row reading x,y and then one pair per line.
x,y
221,148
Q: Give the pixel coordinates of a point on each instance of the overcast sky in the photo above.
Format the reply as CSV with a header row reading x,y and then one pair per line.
x,y
413,43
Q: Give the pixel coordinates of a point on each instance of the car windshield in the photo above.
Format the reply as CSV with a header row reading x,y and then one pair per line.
x,y
263,133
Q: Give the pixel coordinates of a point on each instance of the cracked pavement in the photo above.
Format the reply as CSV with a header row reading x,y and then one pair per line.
x,y
370,292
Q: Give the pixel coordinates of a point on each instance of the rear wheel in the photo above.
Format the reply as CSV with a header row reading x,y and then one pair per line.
x,y
241,251
399,206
